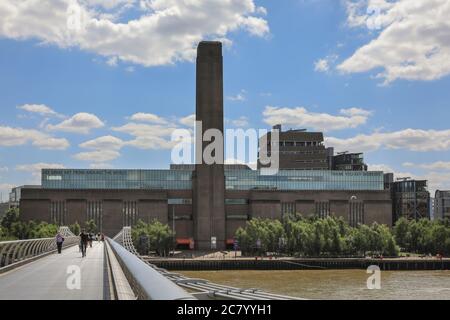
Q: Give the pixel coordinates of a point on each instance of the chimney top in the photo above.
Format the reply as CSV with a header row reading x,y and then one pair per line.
x,y
209,48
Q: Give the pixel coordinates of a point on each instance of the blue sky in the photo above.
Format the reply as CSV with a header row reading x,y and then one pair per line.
x,y
372,74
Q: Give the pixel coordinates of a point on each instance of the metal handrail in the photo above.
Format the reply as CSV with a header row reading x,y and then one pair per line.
x,y
147,283
121,289
17,251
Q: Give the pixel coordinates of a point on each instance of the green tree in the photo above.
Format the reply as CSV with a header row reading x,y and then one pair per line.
x,y
75,228
157,237
401,232
11,216
90,226
439,235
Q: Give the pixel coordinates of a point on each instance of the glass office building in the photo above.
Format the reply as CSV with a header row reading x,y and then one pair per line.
x,y
289,180
410,199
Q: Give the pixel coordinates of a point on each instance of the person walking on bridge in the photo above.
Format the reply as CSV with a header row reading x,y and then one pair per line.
x,y
84,238
59,241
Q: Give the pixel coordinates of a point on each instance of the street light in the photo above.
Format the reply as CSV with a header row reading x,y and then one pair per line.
x,y
173,229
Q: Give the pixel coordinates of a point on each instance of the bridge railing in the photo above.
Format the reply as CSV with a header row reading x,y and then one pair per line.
x,y
16,252
203,289
146,282
125,239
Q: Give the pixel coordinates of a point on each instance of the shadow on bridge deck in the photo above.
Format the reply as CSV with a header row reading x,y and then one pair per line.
x,y
48,278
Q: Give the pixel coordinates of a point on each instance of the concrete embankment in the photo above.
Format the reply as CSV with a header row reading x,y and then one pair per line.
x,y
300,264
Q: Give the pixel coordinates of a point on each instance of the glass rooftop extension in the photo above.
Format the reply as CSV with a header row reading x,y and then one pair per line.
x,y
236,179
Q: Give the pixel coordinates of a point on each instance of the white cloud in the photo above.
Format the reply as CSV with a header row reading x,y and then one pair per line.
x,y
112,62
166,31
99,156
436,181
324,65
439,165
413,42
238,97
351,112
188,121
380,167
321,65
300,117
36,168
109,4
81,123
41,109
103,143
4,169
241,122
148,136
409,139
147,117
106,148
10,137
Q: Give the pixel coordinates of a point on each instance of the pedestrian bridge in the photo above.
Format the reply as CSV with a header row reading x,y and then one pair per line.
x,y
111,270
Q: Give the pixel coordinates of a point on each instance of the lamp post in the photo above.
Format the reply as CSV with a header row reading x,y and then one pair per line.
x,y
173,229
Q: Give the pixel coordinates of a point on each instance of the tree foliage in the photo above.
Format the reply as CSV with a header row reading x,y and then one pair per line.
x,y
90,226
315,237
12,228
75,228
423,236
153,236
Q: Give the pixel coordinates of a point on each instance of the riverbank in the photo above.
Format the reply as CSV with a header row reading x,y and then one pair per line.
x,y
300,264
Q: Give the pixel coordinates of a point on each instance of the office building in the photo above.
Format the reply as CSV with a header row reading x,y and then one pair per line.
x,y
410,199
349,162
298,150
442,204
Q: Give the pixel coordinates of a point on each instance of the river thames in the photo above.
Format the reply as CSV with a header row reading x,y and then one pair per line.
x,y
337,284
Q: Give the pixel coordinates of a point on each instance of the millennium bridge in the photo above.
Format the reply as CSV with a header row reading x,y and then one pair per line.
x,y
112,270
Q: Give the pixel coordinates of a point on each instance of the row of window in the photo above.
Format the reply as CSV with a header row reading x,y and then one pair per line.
x,y
130,214
236,179
322,152
300,143
94,212
58,212
322,210
312,161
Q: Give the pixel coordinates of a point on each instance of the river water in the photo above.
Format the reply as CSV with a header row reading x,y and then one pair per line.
x,y
337,284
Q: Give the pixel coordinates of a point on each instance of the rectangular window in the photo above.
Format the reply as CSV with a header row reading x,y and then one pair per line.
x,y
58,212
234,216
179,201
236,201
95,212
323,209
130,213
356,213
54,178
287,208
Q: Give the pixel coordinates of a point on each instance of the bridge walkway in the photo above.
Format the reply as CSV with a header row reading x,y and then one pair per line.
x,y
55,277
